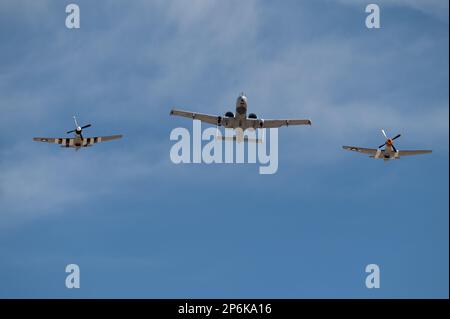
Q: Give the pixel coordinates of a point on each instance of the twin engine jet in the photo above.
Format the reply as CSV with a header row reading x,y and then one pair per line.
x,y
78,141
239,120
388,153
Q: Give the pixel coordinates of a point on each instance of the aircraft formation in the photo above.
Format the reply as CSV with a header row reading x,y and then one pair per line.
x,y
239,121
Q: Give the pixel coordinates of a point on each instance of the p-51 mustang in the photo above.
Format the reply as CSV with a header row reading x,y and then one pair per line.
x,y
78,141
240,120
389,152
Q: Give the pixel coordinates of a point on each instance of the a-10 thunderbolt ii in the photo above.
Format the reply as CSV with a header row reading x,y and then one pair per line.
x,y
240,120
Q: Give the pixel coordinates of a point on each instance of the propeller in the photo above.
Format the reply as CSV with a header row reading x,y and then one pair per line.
x,y
389,140
393,147
78,129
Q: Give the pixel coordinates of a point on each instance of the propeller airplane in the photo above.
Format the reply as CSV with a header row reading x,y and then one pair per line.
x,y
389,152
78,141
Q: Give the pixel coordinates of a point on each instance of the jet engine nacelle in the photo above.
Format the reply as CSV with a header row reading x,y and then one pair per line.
x,y
229,114
252,116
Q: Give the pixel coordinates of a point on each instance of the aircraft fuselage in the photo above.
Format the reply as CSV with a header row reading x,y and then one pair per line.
x,y
388,154
240,119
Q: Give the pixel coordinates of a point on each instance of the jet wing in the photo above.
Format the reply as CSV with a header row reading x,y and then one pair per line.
x,y
197,116
417,152
370,151
279,123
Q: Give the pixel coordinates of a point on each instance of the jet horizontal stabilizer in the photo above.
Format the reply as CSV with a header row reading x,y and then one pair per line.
x,y
244,139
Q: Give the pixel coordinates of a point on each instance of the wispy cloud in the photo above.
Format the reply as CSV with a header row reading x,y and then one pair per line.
x,y
151,56
434,8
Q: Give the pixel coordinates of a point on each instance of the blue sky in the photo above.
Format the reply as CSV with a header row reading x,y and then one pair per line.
x,y
140,226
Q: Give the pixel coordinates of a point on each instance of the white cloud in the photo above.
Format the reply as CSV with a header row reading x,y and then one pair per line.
x,y
435,8
43,179
130,72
